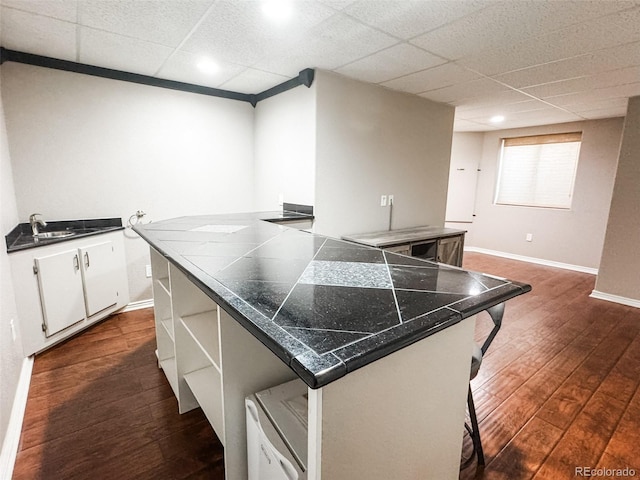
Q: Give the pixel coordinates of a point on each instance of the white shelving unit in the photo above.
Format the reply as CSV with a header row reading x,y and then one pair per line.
x,y
210,361
165,337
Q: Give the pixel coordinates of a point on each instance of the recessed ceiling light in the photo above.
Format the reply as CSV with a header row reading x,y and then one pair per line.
x,y
277,10
497,119
208,66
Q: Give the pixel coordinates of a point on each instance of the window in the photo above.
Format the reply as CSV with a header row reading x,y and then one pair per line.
x,y
538,171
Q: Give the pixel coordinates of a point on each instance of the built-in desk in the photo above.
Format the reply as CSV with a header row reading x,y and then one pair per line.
x,y
383,341
437,244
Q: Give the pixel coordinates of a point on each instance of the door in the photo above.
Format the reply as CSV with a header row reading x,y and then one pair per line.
x,y
461,195
100,274
60,284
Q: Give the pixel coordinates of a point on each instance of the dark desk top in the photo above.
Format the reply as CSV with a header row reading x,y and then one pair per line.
x,y
324,306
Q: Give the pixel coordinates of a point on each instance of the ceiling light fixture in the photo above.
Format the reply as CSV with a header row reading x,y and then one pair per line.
x,y
277,10
497,119
208,66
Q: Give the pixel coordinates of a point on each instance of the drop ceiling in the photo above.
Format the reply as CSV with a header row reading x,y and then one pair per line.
x,y
534,62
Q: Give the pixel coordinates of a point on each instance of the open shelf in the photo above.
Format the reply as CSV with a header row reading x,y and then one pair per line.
x,y
206,386
170,370
164,283
167,323
203,328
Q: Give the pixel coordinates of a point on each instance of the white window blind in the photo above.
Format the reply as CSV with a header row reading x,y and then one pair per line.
x,y
538,171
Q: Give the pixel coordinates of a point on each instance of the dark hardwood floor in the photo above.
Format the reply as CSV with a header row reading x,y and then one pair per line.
x,y
99,408
558,389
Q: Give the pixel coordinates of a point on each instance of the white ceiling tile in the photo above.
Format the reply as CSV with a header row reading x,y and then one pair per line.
x,y
106,50
39,35
406,19
541,117
504,97
613,58
254,81
432,78
605,32
617,104
462,125
337,4
239,32
605,79
488,111
335,42
183,67
60,9
475,93
596,95
504,23
161,21
606,112
392,62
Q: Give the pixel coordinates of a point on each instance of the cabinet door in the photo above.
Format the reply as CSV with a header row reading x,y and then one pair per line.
x,y
60,283
450,250
99,270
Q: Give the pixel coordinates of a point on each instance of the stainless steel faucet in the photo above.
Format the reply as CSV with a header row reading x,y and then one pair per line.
x,y
35,222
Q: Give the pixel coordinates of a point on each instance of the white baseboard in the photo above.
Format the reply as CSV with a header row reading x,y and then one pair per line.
x,y
539,261
14,429
631,302
138,305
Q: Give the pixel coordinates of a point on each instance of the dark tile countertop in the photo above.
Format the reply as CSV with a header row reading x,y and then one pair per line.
x,y
385,238
20,238
291,212
324,306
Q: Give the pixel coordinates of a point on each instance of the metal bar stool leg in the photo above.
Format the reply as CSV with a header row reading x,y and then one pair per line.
x,y
475,431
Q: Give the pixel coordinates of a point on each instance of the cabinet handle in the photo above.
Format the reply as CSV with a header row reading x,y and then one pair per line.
x,y
76,262
86,259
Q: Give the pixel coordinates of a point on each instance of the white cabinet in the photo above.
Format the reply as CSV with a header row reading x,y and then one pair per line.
x,y
60,285
65,287
76,284
99,276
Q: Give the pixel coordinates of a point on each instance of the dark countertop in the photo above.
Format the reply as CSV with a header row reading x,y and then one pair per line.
x,y
284,216
20,238
323,306
385,238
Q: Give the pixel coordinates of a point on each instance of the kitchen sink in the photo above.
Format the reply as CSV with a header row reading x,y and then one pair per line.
x,y
55,234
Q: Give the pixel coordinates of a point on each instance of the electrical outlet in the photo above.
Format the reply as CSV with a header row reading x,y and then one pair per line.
x,y
147,269
529,237
383,201
390,197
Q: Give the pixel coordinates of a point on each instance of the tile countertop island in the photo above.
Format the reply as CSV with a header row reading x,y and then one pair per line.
x,y
367,330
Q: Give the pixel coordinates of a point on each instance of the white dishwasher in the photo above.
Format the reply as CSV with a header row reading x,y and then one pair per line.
x,y
277,432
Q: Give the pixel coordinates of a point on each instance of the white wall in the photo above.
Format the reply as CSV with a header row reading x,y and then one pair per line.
x,y
619,272
284,149
574,236
89,147
373,141
10,350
